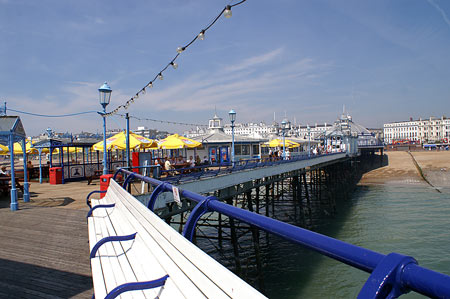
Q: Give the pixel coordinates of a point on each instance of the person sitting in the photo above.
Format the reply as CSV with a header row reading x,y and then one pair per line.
x,y
205,160
191,161
168,165
197,160
3,172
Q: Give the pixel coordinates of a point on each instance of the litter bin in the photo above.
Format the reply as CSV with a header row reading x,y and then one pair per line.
x,y
104,183
55,175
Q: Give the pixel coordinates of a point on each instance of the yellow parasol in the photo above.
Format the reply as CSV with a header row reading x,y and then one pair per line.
x,y
176,141
3,150
118,141
72,149
28,148
279,143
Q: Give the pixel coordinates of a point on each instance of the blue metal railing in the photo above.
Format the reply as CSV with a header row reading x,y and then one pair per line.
x,y
210,170
391,275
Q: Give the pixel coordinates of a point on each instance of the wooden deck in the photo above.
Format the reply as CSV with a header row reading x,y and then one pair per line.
x,y
44,250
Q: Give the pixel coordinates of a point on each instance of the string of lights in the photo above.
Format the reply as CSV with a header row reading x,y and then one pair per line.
x,y
46,115
226,12
162,121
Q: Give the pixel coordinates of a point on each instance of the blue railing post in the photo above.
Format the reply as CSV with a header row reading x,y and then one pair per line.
x,y
385,280
200,209
163,187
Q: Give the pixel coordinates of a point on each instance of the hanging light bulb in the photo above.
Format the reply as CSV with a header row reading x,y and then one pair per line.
x,y
150,85
227,12
144,91
136,96
180,50
174,65
160,76
201,35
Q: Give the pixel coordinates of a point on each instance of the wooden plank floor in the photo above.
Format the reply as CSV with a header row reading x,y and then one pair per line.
x,y
44,250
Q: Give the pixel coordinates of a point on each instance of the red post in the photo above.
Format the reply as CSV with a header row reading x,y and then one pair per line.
x,y
104,183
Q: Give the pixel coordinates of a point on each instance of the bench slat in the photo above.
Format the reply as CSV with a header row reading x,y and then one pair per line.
x,y
124,273
156,251
97,273
201,263
143,265
161,262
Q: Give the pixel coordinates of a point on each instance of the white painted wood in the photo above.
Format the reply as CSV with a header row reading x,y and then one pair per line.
x,y
156,251
222,277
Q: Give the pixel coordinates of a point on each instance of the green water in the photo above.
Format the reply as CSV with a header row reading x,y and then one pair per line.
x,y
412,220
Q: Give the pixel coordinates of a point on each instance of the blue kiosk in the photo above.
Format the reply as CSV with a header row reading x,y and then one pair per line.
x,y
11,131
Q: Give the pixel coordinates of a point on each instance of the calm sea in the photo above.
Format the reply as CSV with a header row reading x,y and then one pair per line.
x,y
408,219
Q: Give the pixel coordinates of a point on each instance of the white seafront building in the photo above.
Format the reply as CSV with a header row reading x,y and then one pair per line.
x,y
428,130
262,129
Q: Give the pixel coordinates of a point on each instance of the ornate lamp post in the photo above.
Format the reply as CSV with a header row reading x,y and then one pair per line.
x,y
232,114
105,96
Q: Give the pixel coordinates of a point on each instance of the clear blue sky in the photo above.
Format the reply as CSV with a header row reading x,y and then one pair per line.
x,y
383,60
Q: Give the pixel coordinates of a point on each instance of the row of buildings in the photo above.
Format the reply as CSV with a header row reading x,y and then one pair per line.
x,y
263,130
430,130
423,131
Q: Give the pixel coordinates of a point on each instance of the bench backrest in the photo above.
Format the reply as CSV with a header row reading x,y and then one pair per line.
x,y
157,250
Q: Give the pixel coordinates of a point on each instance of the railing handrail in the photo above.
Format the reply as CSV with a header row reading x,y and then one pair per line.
x,y
238,166
399,271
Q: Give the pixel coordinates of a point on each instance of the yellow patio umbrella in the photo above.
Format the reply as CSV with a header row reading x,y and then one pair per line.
x,y
176,141
278,142
3,149
72,149
118,141
28,148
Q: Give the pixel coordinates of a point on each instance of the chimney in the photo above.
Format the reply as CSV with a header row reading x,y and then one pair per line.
x,y
410,118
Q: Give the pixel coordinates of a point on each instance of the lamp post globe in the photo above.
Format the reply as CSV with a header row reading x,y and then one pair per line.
x,y
104,97
105,94
232,115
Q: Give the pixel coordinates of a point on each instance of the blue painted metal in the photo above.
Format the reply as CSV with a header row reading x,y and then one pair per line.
x,y
385,279
401,273
89,214
26,192
127,180
134,286
128,140
14,203
110,239
200,209
163,187
40,165
88,202
105,152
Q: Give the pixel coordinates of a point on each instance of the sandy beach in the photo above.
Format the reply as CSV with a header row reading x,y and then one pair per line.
x,y
400,169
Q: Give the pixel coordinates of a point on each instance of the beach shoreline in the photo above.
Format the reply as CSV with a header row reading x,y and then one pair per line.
x,y
400,169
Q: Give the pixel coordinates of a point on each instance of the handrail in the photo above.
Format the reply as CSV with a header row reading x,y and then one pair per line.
x,y
392,274
192,173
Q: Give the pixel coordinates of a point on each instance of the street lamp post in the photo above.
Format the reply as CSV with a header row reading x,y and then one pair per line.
x,y
232,114
283,129
309,141
105,96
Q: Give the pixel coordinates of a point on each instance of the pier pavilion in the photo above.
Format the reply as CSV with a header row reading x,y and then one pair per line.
x,y
11,131
217,144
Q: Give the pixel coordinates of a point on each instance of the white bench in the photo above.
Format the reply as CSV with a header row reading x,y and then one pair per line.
x,y
156,251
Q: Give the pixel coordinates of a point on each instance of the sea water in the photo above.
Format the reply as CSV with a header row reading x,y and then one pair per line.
x,y
407,219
